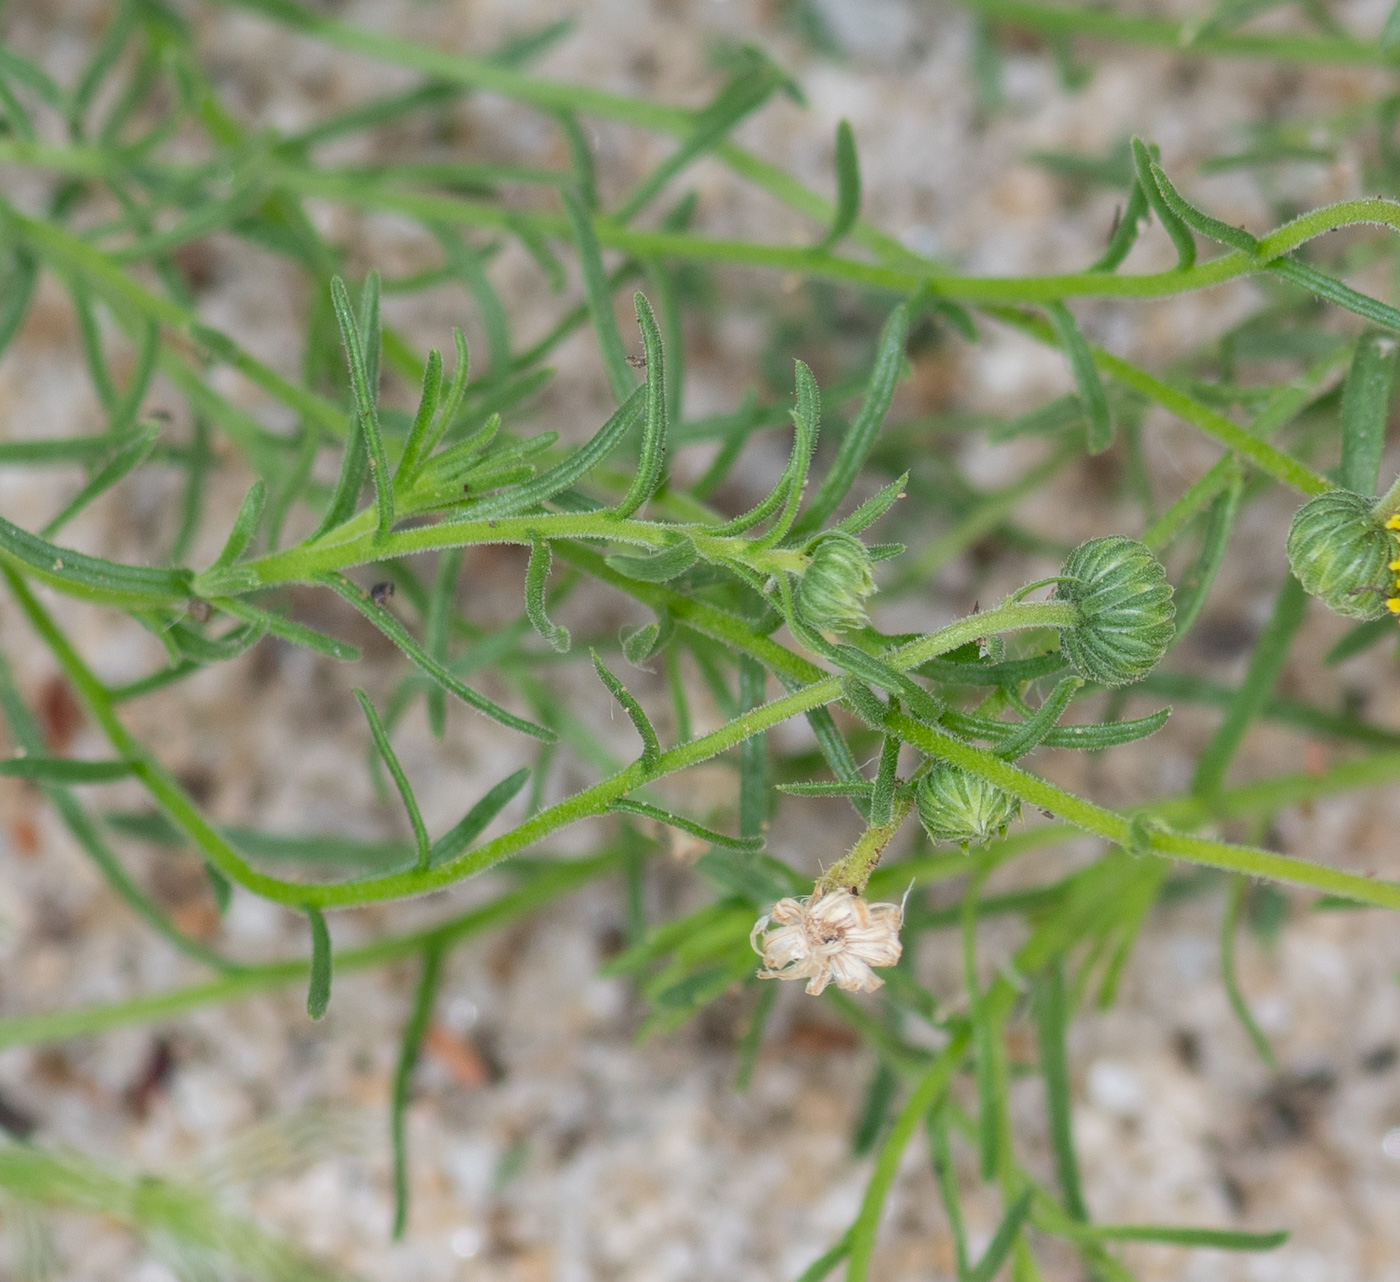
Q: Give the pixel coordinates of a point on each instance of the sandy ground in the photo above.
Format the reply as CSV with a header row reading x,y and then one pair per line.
x,y
546,1143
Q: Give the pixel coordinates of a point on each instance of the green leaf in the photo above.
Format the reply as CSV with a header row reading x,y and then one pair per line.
x,y
1198,220
652,461
318,992
1195,584
642,809
536,574
651,746
1390,32
1003,1239
413,451
437,629
133,451
410,1045
244,526
860,437
1360,639
90,577
532,493
1332,290
391,760
400,636
825,1264
660,567
1051,1021
874,507
1086,376
362,355
1210,1239
220,887
806,421
64,770
847,189
821,789
471,825
1180,233
1366,411
599,295
296,633
882,795
1238,886
1124,233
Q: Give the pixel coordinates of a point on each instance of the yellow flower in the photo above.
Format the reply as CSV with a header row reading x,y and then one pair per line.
x,y
1393,604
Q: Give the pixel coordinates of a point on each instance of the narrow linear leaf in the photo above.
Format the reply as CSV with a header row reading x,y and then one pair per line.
x,y
1051,1020
660,567
1003,1239
536,575
428,399
847,188
16,294
1332,290
860,437
1360,639
874,507
1198,220
391,761
471,825
437,629
1086,376
362,355
409,1048
220,887
748,845
296,633
244,526
1180,233
832,789
1213,1239
599,295
91,577
806,422
400,636
882,795
1194,587
1230,977
652,461
64,770
651,746
532,493
318,991
129,456
1366,411
1390,32
825,1264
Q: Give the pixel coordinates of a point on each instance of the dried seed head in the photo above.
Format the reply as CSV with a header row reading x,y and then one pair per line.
x,y
835,939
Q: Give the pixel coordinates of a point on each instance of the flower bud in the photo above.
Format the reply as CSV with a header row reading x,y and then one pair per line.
x,y
1340,552
957,805
1125,610
831,593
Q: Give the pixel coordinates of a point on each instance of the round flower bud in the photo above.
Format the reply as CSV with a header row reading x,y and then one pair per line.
x,y
831,593
956,805
1340,552
1125,610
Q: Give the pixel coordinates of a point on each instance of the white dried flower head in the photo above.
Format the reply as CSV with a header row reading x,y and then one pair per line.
x,y
834,939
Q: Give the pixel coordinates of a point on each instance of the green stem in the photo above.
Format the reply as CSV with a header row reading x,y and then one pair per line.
x,y
1120,829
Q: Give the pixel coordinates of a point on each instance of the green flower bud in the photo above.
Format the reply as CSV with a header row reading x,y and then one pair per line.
x,y
1125,610
831,593
1340,552
956,805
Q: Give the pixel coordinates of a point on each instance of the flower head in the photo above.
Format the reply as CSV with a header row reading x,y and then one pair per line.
x,y
831,593
1393,603
835,938
957,805
1339,550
